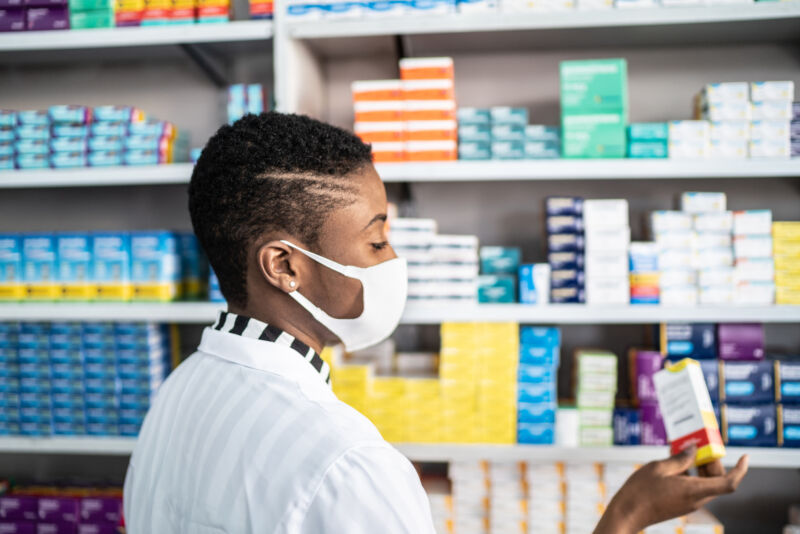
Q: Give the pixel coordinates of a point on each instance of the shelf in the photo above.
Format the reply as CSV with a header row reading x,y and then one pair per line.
x,y
113,446
250,30
176,173
455,171
761,21
206,312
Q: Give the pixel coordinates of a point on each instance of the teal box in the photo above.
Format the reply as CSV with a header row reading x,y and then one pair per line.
x,y
648,149
474,150
508,150
68,160
143,157
75,265
11,287
7,163
500,288
35,117
33,161
542,149
540,132
110,128
8,134
68,144
69,114
500,260
111,253
8,118
155,265
104,158
70,130
32,146
594,136
594,86
113,113
7,148
508,132
648,131
508,115
33,131
106,142
479,116
474,132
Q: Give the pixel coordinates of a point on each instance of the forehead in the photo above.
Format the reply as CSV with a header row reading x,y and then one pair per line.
x,y
369,200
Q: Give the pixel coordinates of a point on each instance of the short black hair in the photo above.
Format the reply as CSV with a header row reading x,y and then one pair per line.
x,y
271,172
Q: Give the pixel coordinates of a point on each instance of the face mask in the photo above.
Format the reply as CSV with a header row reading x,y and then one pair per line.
x,y
384,288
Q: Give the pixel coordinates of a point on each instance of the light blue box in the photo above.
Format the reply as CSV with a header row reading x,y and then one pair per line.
x,y
509,115
474,150
255,98
136,400
114,114
39,264
542,149
508,132
100,386
214,292
500,260
536,413
194,267
536,433
507,150
143,142
7,148
68,160
157,128
69,370
33,161
142,157
68,144
112,265
66,355
32,146
536,393
497,288
474,133
68,400
33,117
70,130
648,131
105,158
141,385
536,374
8,118
7,163
35,428
106,143
61,428
69,414
155,266
11,287
33,133
540,336
540,132
527,282
70,114
102,429
105,401
648,149
8,134
75,265
480,116
110,128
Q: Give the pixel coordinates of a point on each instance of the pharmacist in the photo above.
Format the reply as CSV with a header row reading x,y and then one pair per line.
x,y
246,435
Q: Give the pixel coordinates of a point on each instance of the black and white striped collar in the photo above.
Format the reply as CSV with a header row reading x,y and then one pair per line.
x,y
241,325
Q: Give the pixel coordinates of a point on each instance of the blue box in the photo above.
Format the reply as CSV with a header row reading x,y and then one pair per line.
x,y
536,433
787,382
33,161
155,266
542,149
648,149
101,386
474,150
504,150
33,354
497,288
105,158
66,384
789,431
564,206
32,132
561,278
102,429
539,336
481,133
536,393
481,116
194,267
112,266
105,354
569,242
139,372
141,385
109,129
106,370
508,132
564,224
540,132
69,414
113,113
70,114
508,115
214,291
113,143
67,370
8,118
536,374
627,427
39,264
536,413
7,148
9,428
567,295
34,399
648,131
68,400
8,134
105,401
129,430
35,428
69,428
75,266
11,283
683,340
747,382
750,425
500,260
70,130
528,275
566,260
68,144
140,401
710,370
32,147
39,369
97,414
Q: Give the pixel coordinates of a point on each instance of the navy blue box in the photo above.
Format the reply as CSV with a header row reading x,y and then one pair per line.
x,y
750,425
566,260
627,427
683,340
747,382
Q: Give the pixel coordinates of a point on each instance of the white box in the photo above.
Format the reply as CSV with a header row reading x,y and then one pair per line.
x,y
698,131
586,5
721,221
689,149
678,296
754,293
589,417
701,202
605,214
635,4
670,220
772,91
762,148
478,6
770,130
607,291
754,270
674,240
606,264
677,278
675,259
752,222
733,130
731,110
606,240
712,257
713,295
595,437
726,91
729,149
748,246
772,110
717,276
711,240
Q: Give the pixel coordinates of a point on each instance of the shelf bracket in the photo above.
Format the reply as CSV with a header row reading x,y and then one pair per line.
x,y
209,67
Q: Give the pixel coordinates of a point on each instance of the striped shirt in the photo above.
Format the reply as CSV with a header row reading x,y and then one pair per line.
x,y
246,436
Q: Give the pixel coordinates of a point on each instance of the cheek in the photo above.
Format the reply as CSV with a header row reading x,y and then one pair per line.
x,y
338,295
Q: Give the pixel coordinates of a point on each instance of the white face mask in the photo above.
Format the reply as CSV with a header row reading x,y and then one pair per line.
x,y
385,286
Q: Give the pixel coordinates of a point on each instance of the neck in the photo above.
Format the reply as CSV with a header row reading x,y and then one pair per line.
x,y
288,316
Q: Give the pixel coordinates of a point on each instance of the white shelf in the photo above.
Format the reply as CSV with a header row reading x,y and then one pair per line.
x,y
176,173
114,446
592,169
455,171
206,312
250,30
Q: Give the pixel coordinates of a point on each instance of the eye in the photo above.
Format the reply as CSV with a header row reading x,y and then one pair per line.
x,y
380,246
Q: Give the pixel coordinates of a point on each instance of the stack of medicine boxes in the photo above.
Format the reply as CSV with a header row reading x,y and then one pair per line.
x,y
754,270
70,374
8,136
596,388
261,9
32,145
772,111
9,379
565,249
498,280
671,231
786,248
644,271
594,108
453,273
211,11
508,132
379,111
712,226
474,134
648,140
608,236
35,386
584,497
546,510
507,496
69,142
386,407
727,107
689,139
39,267
244,99
471,483
795,130
537,393
542,142
155,266
91,14
128,12
412,239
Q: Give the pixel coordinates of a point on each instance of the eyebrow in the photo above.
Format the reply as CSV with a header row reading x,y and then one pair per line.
x,y
379,217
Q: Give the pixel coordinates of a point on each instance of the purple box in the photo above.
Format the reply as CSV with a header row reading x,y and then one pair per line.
x,y
19,508
740,342
101,509
17,527
57,527
97,528
645,364
44,3
12,19
10,3
59,509
653,431
47,18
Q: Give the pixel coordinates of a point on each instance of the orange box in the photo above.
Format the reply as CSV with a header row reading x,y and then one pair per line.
x,y
429,90
432,130
212,11
182,13
388,152
426,68
430,110
431,151
377,90
380,111
261,8
380,132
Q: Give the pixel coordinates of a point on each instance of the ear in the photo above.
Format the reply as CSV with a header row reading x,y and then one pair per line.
x,y
279,265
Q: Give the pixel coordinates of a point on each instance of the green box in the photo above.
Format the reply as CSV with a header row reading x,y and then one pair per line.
x,y
473,116
648,131
474,150
648,149
500,288
90,5
594,136
100,18
594,86
500,260
474,132
508,150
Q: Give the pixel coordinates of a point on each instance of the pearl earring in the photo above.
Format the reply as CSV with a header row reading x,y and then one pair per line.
x,y
292,283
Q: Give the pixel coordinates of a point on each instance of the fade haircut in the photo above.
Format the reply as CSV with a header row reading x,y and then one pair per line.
x,y
269,173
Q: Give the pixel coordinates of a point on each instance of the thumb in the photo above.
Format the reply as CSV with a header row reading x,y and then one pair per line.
x,y
681,462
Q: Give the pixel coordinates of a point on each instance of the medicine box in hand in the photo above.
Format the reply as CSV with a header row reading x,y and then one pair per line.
x,y
687,411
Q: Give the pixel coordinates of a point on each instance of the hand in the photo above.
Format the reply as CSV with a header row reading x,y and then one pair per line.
x,y
663,490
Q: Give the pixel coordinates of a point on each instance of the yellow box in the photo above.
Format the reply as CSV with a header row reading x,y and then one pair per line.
x,y
786,262
786,230
114,292
786,248
787,296
159,292
788,279
12,292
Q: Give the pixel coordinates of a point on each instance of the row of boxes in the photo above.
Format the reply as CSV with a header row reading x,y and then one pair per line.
x,y
537,387
61,509
504,133
153,266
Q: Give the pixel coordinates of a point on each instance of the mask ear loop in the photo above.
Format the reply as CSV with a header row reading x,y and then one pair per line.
x,y
347,270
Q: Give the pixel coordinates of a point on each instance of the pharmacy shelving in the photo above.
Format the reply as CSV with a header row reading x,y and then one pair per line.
x,y
236,31
115,446
454,171
206,312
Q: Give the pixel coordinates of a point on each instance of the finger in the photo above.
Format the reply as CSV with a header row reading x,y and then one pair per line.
x,y
703,488
680,462
713,469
